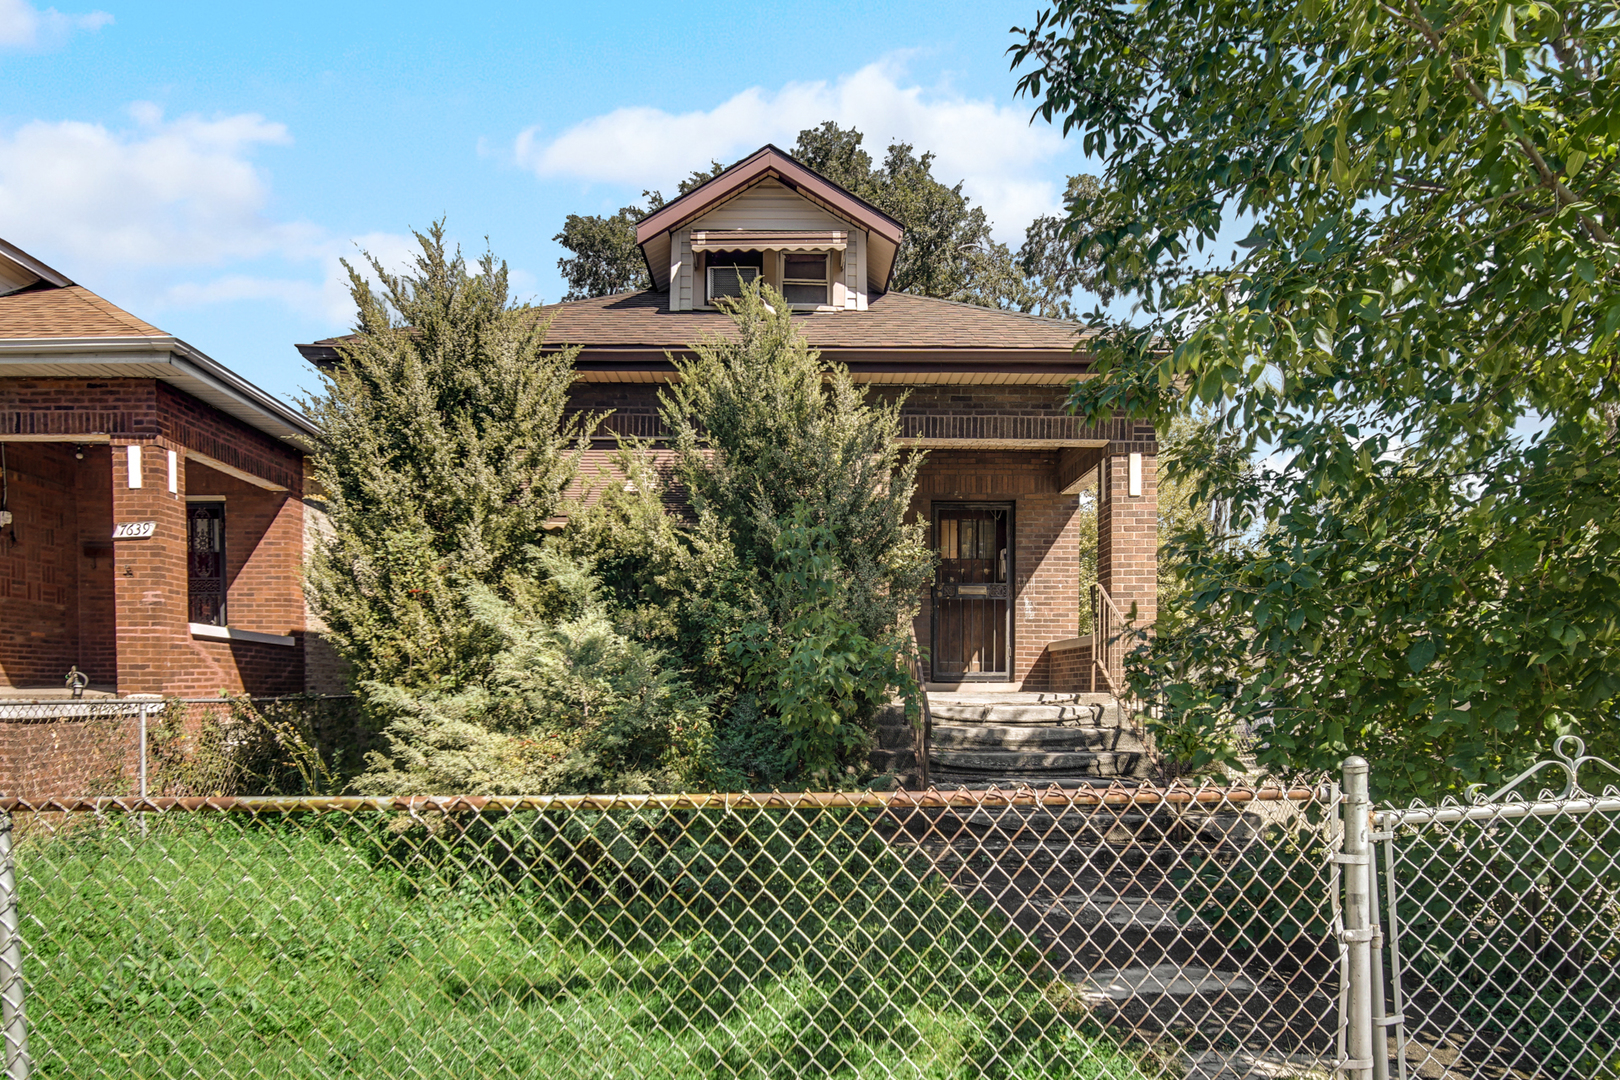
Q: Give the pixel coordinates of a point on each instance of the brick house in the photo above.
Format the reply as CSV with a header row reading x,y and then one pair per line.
x,y
153,514
1006,465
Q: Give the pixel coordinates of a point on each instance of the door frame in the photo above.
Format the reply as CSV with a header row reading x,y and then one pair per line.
x,y
1011,508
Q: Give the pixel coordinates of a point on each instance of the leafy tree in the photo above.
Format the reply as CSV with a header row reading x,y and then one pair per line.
x,y
1054,259
605,259
1430,273
948,251
443,451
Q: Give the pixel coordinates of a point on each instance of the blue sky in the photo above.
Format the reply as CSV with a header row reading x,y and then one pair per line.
x,y
205,165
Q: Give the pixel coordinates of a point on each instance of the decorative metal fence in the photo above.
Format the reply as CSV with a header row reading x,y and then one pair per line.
x,y
1111,934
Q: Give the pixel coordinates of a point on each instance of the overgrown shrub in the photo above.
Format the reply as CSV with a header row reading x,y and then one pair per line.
x,y
802,569
568,704
443,452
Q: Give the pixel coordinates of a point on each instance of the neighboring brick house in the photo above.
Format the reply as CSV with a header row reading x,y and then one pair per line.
x,y
154,507
1006,464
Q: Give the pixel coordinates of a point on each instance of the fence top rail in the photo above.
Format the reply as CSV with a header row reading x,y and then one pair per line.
x,y
1516,800
1429,815
875,800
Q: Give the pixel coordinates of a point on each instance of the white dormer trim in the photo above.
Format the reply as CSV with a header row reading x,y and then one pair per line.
x,y
769,240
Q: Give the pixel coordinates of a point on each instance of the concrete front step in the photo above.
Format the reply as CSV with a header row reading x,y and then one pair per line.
x,y
953,735
1026,712
1138,914
1160,980
1031,767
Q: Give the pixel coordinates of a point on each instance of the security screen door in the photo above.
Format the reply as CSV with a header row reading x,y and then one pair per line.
x,y
972,613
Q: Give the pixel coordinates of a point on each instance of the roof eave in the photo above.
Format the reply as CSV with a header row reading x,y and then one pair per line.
x,y
254,406
33,265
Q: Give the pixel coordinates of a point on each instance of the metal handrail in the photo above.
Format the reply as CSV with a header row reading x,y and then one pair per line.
x,y
924,730
1107,652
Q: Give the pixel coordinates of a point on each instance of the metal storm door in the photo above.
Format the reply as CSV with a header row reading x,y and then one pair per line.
x,y
205,563
972,611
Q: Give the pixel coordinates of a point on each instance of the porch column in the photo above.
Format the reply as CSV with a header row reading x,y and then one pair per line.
x,y
149,574
1128,530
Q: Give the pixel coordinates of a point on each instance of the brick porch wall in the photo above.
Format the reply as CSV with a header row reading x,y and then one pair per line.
x,y
1065,667
56,600
148,646
1128,537
56,757
1046,586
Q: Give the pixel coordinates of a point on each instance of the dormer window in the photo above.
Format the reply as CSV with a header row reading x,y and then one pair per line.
x,y
805,281
729,269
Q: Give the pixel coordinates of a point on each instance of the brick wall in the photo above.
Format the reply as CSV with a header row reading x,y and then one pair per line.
x,y
1064,667
97,601
1046,587
49,756
39,564
56,589
129,617
1128,537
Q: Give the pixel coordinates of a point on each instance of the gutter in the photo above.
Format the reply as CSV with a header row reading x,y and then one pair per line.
x,y
188,362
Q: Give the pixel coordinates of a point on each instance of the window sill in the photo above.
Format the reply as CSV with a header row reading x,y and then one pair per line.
x,y
227,633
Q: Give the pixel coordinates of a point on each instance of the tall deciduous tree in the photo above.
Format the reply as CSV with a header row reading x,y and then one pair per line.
x,y
1420,326
603,257
948,251
443,452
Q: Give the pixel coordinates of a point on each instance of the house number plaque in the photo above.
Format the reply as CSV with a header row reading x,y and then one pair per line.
x,y
134,530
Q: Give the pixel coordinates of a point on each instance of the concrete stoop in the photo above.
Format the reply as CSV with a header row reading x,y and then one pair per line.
x,y
1038,739
1097,892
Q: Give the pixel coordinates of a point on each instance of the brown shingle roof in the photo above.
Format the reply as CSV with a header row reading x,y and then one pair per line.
x,y
892,321
45,311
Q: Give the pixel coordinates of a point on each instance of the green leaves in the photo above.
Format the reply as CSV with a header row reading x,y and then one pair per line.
x,y
1431,287
443,453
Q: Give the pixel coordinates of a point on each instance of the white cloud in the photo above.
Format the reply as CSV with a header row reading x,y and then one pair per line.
x,y
992,147
161,192
24,26
327,299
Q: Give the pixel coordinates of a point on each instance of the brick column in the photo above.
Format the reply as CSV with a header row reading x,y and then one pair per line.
x,y
149,576
1128,535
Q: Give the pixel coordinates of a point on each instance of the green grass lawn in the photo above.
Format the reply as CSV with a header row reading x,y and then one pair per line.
x,y
219,947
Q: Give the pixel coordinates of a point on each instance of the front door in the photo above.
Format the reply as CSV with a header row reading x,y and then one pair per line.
x,y
972,637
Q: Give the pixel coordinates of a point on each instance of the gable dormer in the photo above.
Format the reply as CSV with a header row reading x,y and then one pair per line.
x,y
769,217
20,270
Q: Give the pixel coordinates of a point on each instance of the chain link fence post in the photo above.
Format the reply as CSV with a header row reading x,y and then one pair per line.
x,y
13,1022
1358,933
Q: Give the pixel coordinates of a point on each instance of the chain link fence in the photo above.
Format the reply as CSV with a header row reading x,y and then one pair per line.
x,y
1125,933
1503,914
1136,933
304,744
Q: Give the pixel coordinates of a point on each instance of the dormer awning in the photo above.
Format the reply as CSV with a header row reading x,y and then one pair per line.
x,y
768,240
